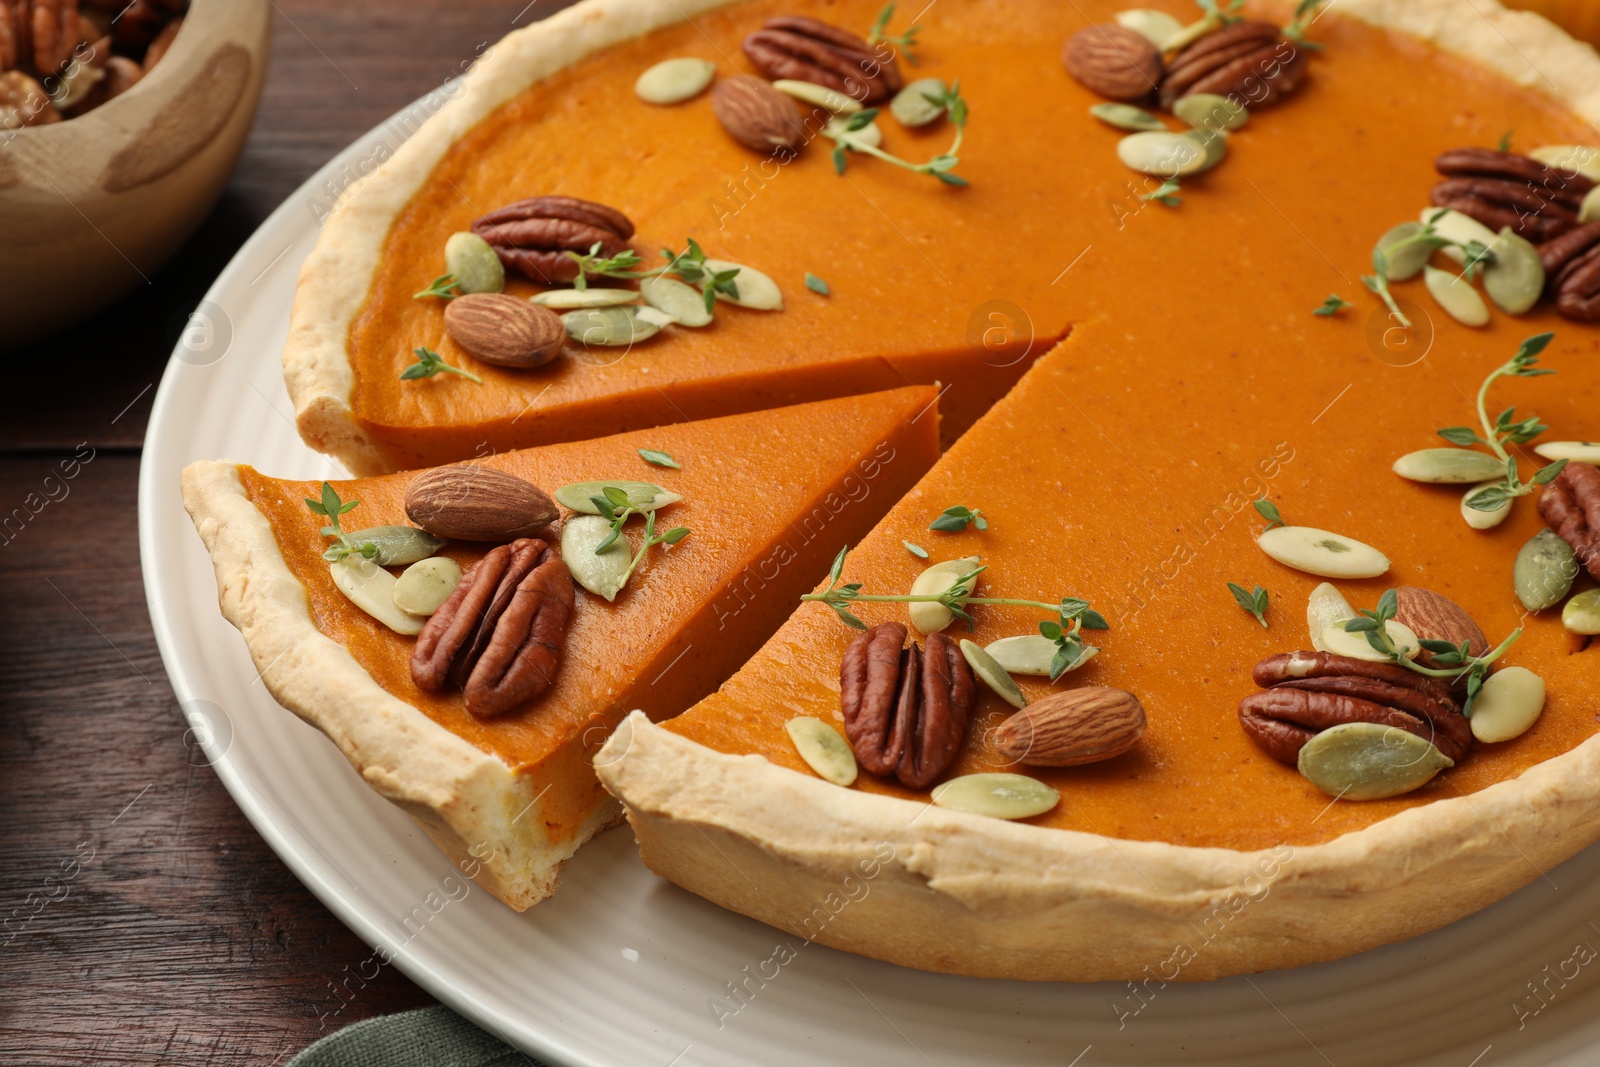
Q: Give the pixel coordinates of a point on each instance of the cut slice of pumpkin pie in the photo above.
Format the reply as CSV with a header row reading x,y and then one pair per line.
x,y
469,635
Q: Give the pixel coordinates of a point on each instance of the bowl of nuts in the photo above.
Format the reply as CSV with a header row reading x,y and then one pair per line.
x,y
120,123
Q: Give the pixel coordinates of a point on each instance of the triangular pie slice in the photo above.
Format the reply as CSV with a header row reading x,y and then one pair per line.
x,y
768,498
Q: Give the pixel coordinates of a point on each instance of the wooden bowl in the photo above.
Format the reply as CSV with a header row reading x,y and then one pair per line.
x,y
91,207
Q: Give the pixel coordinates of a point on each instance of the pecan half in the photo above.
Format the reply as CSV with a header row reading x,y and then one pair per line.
x,y
810,50
1114,61
499,637
1572,272
55,33
905,709
1502,189
1308,692
1570,506
23,102
1249,61
534,235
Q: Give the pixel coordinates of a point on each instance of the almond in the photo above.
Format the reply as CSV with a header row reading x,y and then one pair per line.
x,y
1114,61
505,330
467,502
1072,727
757,115
1437,618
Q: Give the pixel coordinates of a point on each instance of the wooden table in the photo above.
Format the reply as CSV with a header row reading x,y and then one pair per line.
x,y
144,922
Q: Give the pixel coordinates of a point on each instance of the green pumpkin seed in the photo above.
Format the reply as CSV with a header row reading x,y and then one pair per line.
x,y
911,105
1408,262
1484,520
1326,607
1164,154
1327,555
756,290
1033,654
928,616
1366,761
820,95
685,303
371,588
1457,296
999,796
602,573
823,749
1545,570
1582,614
1575,158
425,585
871,134
608,326
1213,144
474,264
1589,210
1212,113
1157,27
1463,229
579,496
1515,280
563,299
992,674
1449,466
397,545
1127,117
1574,451
673,81
1510,702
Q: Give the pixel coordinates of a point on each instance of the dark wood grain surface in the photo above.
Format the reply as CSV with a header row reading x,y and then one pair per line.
x,y
142,920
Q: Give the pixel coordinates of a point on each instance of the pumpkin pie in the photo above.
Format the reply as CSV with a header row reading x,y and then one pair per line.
x,y
767,498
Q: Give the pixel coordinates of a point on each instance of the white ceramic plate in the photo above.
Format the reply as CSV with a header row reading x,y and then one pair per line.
x,y
622,968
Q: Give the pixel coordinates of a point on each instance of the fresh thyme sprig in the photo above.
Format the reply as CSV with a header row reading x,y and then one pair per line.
x,y
847,138
904,42
958,518
1506,429
1475,254
330,507
1167,195
443,287
430,363
690,265
1453,662
614,505
1269,511
659,458
1332,306
651,539
1214,18
1505,141
1304,16
593,264
1254,602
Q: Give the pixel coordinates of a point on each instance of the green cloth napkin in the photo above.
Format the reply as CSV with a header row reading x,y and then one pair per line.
x,y
429,1037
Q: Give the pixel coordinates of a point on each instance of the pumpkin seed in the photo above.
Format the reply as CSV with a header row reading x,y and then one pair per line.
x,y
646,497
1576,451
1157,27
997,795
397,545
683,302
585,298
1032,654
1407,263
1545,569
371,588
1126,117
608,326
820,95
1327,555
474,264
992,674
1575,158
1448,466
756,290
425,585
1455,226
656,317
1589,210
1163,153
602,573
823,749
1210,112
1213,143
1509,703
1484,520
1582,614
1326,607
871,134
928,616
1367,761
1457,296
1515,280
911,105
673,81
1341,642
